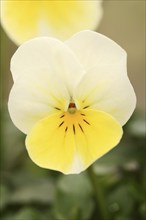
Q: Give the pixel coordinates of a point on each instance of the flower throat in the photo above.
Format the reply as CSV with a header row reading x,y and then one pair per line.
x,y
72,108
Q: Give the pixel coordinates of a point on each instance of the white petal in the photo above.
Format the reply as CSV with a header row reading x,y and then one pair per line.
x,y
35,95
50,53
107,88
94,49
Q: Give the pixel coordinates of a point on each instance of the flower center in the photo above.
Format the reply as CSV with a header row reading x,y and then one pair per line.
x,y
72,108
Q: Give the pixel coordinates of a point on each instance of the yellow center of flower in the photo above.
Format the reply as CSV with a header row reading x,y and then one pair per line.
x,y
72,120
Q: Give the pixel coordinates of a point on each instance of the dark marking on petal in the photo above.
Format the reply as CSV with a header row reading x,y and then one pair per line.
x,y
61,124
57,108
66,129
74,130
81,128
62,116
83,114
86,122
86,106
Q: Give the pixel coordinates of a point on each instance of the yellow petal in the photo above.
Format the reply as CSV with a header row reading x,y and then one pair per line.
x,y
19,19
69,142
23,20
51,145
101,132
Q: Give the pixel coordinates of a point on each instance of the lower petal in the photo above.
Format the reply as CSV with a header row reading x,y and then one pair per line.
x,y
49,146
100,133
71,142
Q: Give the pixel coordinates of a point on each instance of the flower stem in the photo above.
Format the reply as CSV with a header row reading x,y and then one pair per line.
x,y
100,200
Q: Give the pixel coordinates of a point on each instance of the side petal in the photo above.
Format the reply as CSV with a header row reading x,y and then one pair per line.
x,y
24,20
70,143
48,53
35,95
93,49
107,88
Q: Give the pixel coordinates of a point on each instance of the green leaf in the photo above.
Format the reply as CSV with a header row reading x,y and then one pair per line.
x,y
73,198
121,201
74,184
29,188
40,191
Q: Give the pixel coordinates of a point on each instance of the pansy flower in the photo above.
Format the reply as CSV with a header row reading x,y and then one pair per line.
x,y
26,19
71,99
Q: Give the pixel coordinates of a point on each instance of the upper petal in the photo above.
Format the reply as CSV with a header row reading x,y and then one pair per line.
x,y
93,49
24,20
47,53
107,88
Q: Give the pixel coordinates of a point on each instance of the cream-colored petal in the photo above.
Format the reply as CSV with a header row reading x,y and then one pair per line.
x,y
93,49
45,52
45,72
36,95
24,20
71,142
107,88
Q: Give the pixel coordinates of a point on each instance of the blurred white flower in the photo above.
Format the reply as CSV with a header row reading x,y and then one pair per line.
x,y
23,20
71,99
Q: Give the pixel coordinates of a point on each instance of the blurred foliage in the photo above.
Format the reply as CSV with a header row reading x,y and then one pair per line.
x,y
31,193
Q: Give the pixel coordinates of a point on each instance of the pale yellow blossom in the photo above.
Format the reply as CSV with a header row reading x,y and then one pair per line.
x,y
23,20
71,99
